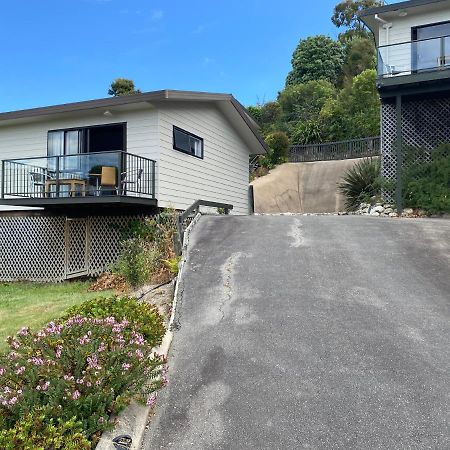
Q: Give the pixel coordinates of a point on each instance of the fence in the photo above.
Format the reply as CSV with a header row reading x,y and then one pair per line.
x,y
55,248
354,148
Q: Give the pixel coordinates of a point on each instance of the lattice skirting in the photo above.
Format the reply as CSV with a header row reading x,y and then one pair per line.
x,y
42,248
425,125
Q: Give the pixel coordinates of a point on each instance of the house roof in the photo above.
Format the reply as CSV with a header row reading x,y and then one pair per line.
x,y
146,97
397,6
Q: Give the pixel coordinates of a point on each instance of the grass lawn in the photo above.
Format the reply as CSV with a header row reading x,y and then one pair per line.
x,y
35,304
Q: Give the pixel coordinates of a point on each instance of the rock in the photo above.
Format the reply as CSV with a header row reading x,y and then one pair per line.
x,y
388,210
408,212
378,209
374,213
393,214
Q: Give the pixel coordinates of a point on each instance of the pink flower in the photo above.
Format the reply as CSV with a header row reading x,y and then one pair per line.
x,y
46,385
126,366
20,370
13,401
76,395
151,399
58,351
23,331
2,370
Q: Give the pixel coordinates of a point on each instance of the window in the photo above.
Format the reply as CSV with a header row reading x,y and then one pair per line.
x,y
98,138
431,46
187,142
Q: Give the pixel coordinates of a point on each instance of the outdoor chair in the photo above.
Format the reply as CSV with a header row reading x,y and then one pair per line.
x,y
108,179
132,180
38,180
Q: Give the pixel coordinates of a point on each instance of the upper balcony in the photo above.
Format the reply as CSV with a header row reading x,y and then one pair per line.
x,y
111,177
418,60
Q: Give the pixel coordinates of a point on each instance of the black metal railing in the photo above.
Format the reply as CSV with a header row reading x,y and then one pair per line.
x,y
111,173
416,56
354,148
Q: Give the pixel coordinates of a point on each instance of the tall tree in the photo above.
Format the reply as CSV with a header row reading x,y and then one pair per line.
x,y
122,86
360,55
316,58
346,15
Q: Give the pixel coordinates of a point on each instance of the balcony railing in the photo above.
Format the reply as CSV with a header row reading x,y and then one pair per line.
x,y
413,57
88,175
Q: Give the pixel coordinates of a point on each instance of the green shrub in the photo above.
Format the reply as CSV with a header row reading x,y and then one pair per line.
x,y
278,142
136,262
35,431
144,247
360,183
87,368
140,314
426,185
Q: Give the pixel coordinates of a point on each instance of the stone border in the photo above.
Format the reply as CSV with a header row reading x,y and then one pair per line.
x,y
133,420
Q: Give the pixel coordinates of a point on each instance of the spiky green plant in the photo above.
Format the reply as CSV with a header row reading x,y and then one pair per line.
x,y
360,183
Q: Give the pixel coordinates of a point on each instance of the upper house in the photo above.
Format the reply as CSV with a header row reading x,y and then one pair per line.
x,y
413,41
156,149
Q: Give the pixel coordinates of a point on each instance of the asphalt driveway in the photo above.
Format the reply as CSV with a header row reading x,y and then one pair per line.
x,y
317,332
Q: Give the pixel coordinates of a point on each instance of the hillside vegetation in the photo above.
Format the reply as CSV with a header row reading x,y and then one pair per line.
x,y
330,94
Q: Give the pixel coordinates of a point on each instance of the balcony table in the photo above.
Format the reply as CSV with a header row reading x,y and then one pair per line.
x,y
72,182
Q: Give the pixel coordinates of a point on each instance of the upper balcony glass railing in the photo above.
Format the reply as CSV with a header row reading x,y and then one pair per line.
x,y
113,173
414,57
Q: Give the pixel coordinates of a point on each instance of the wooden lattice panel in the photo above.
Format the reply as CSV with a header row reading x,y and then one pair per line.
x,y
32,248
104,245
77,246
425,125
51,249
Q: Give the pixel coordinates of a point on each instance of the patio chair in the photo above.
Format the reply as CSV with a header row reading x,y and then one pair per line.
x,y
132,179
37,180
108,179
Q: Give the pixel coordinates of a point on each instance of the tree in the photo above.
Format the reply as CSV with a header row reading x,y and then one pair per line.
x,y
303,102
360,55
346,14
278,143
122,86
316,58
355,113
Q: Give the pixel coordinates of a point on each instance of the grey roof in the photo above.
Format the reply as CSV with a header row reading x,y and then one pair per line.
x,y
397,6
163,95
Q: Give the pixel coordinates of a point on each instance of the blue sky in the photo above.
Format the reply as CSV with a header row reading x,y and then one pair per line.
x,y
58,51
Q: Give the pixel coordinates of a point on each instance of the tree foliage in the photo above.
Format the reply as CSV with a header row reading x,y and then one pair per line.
x,y
122,86
346,14
316,58
330,93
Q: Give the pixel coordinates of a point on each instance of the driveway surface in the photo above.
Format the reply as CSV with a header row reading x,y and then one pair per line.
x,y
318,332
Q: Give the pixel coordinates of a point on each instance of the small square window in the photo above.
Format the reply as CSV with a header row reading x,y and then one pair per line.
x,y
186,142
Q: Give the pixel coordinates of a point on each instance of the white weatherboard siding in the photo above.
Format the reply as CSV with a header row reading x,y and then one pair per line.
x,y
399,56
30,139
222,175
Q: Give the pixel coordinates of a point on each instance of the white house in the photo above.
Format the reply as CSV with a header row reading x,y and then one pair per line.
x,y
413,41
156,149
73,175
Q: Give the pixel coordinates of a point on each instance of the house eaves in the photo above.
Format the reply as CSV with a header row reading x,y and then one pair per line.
x,y
397,7
146,97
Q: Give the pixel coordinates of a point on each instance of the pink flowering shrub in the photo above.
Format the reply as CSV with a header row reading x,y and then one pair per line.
x,y
87,368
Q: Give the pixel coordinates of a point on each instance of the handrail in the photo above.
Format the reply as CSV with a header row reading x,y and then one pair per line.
x,y
413,42
78,154
194,209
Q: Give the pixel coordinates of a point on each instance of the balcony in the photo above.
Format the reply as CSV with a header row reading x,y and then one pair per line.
x,y
111,177
420,58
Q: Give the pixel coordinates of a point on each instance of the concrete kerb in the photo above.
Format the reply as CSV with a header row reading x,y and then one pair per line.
x,y
133,420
